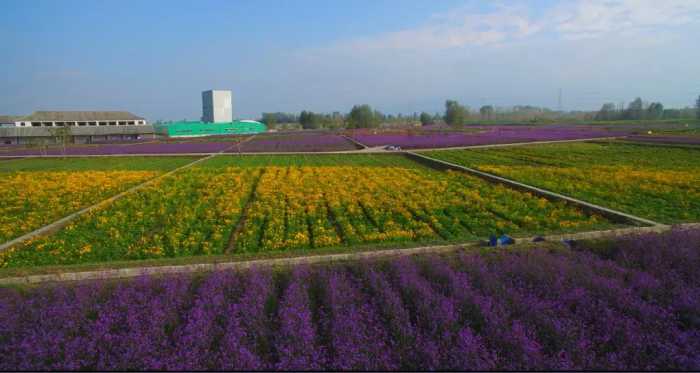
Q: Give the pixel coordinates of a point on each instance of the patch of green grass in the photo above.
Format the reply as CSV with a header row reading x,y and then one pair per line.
x,y
96,163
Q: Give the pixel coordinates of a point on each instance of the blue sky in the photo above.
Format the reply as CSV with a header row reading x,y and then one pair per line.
x,y
155,57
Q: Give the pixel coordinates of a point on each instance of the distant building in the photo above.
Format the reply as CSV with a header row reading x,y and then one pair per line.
x,y
7,120
195,129
217,107
84,127
79,118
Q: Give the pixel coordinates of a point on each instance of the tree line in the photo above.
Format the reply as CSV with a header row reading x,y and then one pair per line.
x,y
364,116
639,109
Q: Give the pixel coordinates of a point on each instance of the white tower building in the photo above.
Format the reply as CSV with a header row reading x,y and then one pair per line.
x,y
216,106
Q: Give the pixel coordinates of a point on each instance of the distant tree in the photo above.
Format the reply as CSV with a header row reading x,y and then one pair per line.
x,y
63,136
270,119
697,108
635,110
310,120
486,112
425,119
607,112
362,116
455,114
655,111
671,114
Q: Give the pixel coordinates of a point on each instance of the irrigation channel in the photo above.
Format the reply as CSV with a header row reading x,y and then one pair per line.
x,y
639,225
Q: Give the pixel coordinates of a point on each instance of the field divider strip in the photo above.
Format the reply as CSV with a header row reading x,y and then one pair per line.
x,y
357,143
614,215
58,224
236,229
131,272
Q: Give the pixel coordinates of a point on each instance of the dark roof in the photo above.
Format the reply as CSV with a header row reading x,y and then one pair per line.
x,y
49,116
9,118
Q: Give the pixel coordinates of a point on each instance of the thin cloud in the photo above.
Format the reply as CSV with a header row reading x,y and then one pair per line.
x,y
504,23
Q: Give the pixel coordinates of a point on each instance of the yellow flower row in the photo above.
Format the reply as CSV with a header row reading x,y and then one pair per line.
x,y
33,199
666,195
189,213
306,207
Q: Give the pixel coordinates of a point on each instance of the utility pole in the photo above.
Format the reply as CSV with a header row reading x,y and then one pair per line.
x,y
559,107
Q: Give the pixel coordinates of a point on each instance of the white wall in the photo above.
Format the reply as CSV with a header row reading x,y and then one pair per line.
x,y
217,106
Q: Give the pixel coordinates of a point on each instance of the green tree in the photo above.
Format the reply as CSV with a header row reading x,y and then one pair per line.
x,y
270,119
362,116
607,112
425,118
486,112
697,107
310,120
635,110
455,114
655,111
63,136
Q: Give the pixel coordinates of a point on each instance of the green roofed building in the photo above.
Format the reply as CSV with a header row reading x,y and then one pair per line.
x,y
192,129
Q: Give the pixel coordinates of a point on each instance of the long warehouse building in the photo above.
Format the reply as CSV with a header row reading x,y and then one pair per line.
x,y
84,127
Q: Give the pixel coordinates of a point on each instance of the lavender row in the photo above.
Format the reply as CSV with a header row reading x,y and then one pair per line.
x,y
487,135
302,142
689,140
630,305
137,148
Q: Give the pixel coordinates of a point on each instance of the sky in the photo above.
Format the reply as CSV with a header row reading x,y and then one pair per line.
x,y
154,58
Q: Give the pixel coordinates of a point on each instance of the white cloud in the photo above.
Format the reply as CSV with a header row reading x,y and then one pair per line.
x,y
596,18
467,26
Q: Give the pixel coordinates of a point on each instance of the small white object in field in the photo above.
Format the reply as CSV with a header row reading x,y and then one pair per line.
x,y
649,132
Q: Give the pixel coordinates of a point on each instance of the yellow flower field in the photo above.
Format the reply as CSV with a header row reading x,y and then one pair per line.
x,y
31,200
225,209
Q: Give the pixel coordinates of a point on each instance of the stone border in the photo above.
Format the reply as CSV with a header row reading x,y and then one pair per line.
x,y
58,224
313,259
357,143
614,215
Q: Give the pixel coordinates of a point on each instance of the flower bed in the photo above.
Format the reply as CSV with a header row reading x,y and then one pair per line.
x,y
488,135
689,140
532,309
301,142
298,207
135,148
655,182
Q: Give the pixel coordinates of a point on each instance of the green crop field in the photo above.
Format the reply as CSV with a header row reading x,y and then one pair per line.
x,y
655,182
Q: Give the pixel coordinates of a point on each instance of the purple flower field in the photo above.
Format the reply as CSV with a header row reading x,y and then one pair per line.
x,y
297,142
633,304
136,148
689,140
489,135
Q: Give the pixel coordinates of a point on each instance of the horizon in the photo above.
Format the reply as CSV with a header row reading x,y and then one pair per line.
x,y
156,58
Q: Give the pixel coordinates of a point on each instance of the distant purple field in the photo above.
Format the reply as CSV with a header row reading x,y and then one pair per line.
x,y
689,140
632,305
139,148
298,142
490,135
